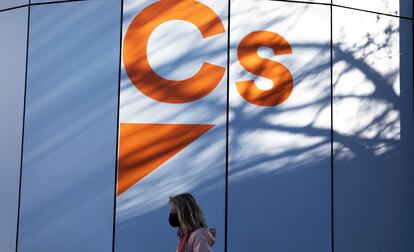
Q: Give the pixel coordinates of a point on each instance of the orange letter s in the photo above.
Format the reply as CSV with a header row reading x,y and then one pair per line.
x,y
252,62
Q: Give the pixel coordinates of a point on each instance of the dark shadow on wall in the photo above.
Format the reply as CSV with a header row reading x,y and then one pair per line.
x,y
406,8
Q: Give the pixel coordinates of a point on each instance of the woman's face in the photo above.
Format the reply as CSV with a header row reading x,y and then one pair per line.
x,y
173,217
173,209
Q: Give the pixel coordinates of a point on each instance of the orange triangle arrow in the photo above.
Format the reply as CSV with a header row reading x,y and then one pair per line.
x,y
144,147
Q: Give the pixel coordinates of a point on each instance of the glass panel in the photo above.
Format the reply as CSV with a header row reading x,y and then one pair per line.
x,y
373,132
13,33
47,1
4,4
280,144
67,198
304,1
394,7
172,137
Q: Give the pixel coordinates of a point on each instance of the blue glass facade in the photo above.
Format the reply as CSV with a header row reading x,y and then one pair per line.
x,y
327,169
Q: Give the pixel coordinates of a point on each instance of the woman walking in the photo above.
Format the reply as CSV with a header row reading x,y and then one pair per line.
x,y
192,231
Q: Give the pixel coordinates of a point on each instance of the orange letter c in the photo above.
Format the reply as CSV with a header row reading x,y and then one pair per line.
x,y
135,51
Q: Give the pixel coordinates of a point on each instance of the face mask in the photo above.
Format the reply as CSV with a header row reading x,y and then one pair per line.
x,y
173,219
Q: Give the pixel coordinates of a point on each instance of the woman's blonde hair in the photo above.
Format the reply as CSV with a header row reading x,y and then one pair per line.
x,y
188,211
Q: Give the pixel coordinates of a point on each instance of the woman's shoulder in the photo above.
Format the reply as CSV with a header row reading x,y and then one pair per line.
x,y
204,230
203,233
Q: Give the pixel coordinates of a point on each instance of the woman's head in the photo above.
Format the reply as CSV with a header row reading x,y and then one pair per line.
x,y
188,212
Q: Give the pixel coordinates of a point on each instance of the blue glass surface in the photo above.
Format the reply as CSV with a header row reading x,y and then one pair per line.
x,y
70,127
46,1
5,4
13,33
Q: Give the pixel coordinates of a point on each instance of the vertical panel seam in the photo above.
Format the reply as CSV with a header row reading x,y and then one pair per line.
x,y
332,152
23,125
227,127
117,127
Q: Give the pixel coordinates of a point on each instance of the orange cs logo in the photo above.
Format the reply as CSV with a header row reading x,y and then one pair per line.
x,y
209,76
